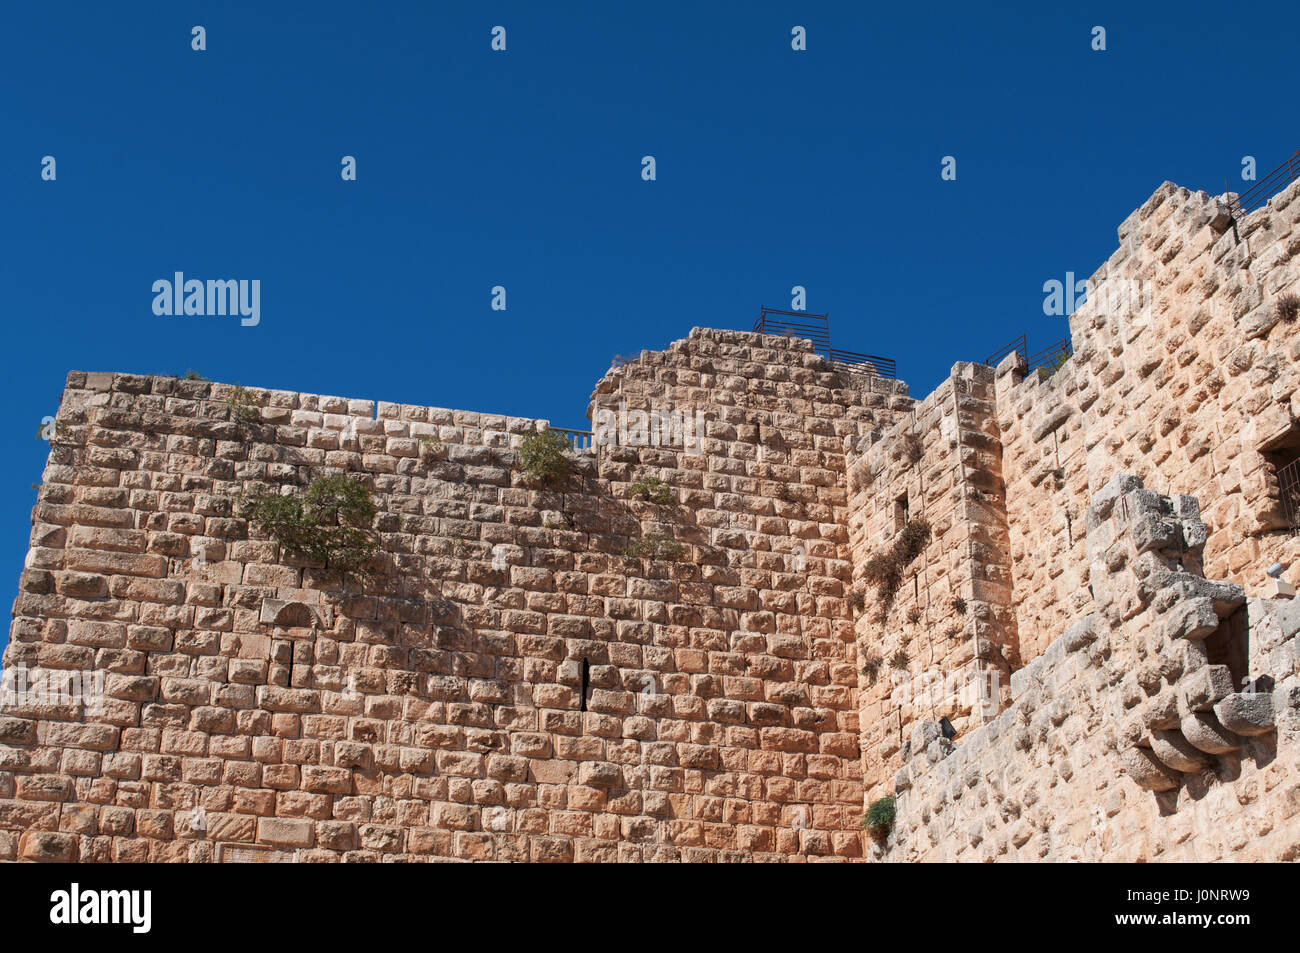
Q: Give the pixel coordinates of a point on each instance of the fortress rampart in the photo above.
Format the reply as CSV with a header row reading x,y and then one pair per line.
x,y
517,680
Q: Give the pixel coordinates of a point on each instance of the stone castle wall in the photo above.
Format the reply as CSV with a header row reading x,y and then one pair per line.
x,y
1126,740
1047,489
1183,375
258,709
512,684
941,463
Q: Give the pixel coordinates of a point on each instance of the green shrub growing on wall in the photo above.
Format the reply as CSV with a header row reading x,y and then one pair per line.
x,y
243,409
912,448
653,490
52,432
1047,370
543,459
657,547
885,571
431,447
329,523
880,816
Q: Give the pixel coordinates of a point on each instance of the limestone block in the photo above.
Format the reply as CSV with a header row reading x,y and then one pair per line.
x,y
599,774
1220,217
1288,618
1205,686
1176,752
1204,731
1192,619
1026,678
1147,772
938,749
1161,713
1247,713
1151,531
1081,633
1103,501
923,733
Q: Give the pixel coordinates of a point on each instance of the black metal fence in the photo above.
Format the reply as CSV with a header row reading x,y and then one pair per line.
x,y
796,324
884,366
817,328
1263,190
1049,357
1288,482
1018,346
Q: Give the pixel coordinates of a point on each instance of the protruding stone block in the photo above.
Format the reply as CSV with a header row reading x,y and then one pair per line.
x,y
1176,751
1153,533
1220,218
1162,712
1247,713
1192,619
1081,632
938,749
600,774
1103,501
922,734
1205,686
1148,773
1204,731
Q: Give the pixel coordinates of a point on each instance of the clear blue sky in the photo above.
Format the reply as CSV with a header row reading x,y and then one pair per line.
x,y
523,169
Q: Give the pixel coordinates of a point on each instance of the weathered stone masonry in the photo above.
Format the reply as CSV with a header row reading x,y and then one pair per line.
x,y
743,703
720,720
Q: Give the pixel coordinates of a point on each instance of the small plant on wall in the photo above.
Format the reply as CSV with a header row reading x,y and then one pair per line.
x,y
879,819
885,571
329,523
543,458
912,448
653,490
1047,370
431,447
871,664
1288,308
242,408
53,431
657,546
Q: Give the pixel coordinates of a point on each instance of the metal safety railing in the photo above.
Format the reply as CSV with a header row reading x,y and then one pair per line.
x,y
1048,357
1288,483
883,366
796,324
817,328
1018,346
1263,190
